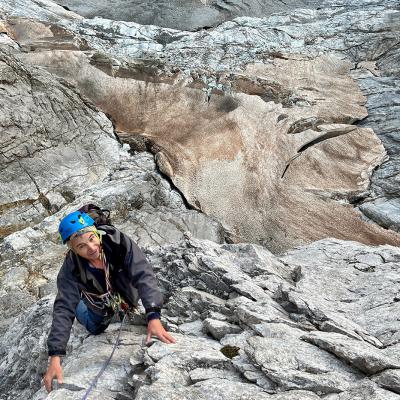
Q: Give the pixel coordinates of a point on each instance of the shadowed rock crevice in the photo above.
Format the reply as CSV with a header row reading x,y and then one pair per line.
x,y
327,135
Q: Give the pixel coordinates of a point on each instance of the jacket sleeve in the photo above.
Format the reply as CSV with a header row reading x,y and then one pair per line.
x,y
141,274
67,299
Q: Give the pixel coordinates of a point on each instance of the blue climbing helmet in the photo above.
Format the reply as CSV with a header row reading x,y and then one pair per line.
x,y
72,223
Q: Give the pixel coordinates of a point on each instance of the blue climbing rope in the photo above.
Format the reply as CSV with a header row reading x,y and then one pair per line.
x,y
105,365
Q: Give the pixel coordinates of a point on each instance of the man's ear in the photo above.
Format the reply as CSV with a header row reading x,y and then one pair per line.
x,y
70,246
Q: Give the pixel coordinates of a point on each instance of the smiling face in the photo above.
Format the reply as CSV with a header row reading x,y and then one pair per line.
x,y
87,246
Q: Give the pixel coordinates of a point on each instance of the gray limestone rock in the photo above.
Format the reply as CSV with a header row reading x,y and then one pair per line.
x,y
238,340
383,93
188,15
173,363
194,328
221,65
389,379
201,303
362,355
87,357
265,360
218,389
253,373
328,29
360,287
203,374
53,142
146,206
251,313
23,351
218,329
299,365
365,390
31,257
342,297
384,211
296,395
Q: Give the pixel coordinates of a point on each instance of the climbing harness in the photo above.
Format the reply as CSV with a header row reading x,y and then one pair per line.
x,y
106,363
109,299
117,303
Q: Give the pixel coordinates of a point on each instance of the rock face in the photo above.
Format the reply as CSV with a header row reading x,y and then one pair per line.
x,y
53,143
188,15
280,94
21,350
279,130
347,296
280,340
382,205
57,147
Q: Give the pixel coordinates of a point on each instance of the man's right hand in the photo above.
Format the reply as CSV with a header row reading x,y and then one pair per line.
x,y
54,370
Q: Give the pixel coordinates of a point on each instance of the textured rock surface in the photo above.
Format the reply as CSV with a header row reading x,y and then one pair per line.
x,y
188,15
56,145
363,356
299,365
383,204
365,390
22,350
218,329
53,142
345,305
278,352
143,204
389,379
275,106
192,149
312,161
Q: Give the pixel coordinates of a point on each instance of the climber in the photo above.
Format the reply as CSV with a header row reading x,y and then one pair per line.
x,y
103,271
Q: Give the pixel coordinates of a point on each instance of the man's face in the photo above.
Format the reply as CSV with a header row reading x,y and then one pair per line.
x,y
87,246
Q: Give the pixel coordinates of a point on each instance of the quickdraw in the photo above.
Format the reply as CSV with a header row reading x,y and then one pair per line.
x,y
117,304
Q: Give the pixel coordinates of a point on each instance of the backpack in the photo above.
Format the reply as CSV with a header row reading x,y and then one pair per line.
x,y
100,216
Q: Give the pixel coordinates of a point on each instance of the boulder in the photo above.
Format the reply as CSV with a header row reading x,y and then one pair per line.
x,y
218,329
360,354
347,288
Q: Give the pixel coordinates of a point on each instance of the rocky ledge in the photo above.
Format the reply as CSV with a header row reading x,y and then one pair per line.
x,y
319,322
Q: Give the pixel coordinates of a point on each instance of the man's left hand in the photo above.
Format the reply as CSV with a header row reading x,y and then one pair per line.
x,y
155,328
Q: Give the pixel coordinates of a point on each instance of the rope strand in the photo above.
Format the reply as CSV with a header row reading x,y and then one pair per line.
x,y
105,365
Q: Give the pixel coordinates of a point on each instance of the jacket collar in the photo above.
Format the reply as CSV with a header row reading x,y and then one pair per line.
x,y
85,275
